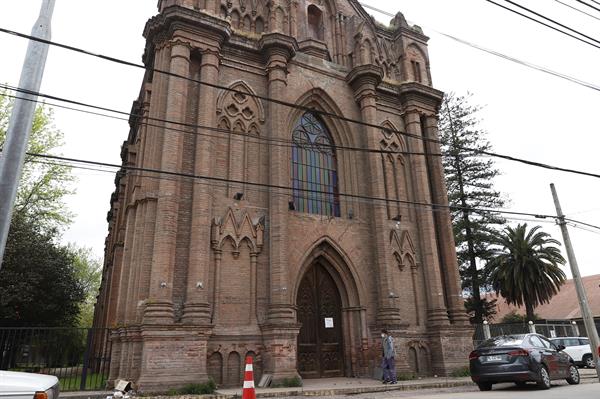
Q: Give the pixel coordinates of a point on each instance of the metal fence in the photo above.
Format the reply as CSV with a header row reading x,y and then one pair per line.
x,y
79,357
548,328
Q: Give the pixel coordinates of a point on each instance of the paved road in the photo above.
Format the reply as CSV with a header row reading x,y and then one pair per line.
x,y
559,390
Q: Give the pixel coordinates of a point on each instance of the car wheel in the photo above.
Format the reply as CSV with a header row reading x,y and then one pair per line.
x,y
588,360
573,375
543,381
484,386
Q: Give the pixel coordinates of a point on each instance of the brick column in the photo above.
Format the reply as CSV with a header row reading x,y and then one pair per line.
x,y
113,287
253,261
364,80
134,263
281,329
197,309
216,287
436,312
159,308
445,235
151,154
279,49
129,216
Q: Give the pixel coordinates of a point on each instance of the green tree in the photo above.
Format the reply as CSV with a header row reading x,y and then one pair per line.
x,y
514,317
487,308
470,182
41,282
39,285
88,270
43,183
525,269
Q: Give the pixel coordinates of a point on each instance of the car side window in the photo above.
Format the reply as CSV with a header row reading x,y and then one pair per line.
x,y
535,341
547,343
559,342
571,342
584,341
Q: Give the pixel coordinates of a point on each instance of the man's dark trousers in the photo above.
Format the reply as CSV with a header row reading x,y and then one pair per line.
x,y
389,369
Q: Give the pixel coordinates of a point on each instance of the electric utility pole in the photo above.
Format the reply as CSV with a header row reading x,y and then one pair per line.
x,y
588,319
21,119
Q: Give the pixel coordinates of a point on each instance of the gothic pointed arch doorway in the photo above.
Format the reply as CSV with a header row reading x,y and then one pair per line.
x,y
319,310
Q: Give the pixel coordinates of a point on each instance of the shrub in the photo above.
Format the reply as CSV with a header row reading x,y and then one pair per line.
x,y
405,376
195,389
461,372
288,383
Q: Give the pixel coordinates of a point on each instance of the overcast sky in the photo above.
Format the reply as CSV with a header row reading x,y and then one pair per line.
x,y
527,113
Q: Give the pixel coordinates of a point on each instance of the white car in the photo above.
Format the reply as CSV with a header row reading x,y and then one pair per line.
x,y
578,348
17,385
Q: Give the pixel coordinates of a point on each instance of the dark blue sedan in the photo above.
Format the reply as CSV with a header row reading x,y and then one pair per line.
x,y
519,359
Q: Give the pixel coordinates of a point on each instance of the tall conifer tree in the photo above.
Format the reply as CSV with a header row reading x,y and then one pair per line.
x,y
470,180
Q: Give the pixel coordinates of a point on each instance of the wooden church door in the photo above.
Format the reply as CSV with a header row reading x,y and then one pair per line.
x,y
320,349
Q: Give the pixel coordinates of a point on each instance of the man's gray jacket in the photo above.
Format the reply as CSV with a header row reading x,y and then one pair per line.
x,y
388,347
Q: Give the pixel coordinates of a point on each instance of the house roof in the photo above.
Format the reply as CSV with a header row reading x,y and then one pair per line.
x,y
564,305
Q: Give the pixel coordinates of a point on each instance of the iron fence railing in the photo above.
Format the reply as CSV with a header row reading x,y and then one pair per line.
x,y
548,328
79,357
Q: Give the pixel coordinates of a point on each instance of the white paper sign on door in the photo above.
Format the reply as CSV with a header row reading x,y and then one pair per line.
x,y
329,322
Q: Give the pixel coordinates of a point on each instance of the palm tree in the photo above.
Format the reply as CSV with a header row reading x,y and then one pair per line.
x,y
525,269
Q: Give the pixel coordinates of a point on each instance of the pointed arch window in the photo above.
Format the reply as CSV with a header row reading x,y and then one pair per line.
x,y
314,168
315,22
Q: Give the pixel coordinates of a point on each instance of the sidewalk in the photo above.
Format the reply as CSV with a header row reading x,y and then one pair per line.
x,y
321,387
344,386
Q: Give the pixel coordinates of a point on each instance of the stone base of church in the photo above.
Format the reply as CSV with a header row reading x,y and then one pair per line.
x,y
280,356
450,347
163,357
160,358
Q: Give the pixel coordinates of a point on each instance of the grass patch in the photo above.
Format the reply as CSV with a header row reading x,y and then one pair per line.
x,y
93,381
204,388
293,382
461,372
405,376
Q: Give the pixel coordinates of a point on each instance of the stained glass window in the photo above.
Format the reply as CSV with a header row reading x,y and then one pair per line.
x,y
314,173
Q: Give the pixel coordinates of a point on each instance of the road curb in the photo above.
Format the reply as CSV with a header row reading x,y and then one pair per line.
x,y
282,392
347,391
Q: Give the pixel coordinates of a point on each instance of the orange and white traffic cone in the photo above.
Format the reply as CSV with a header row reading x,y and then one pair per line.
x,y
248,392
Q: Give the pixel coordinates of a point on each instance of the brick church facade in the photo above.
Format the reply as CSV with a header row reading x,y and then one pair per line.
x,y
280,247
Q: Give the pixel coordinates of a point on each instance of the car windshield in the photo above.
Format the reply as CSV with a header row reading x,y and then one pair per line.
x,y
506,340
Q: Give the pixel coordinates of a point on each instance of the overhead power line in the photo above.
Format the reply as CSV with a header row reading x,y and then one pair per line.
x,y
297,106
577,9
467,149
536,218
501,55
525,63
583,223
552,20
208,84
545,24
288,189
589,5
236,135
221,185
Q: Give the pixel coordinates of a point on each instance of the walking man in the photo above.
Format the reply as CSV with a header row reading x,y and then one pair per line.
x,y
388,363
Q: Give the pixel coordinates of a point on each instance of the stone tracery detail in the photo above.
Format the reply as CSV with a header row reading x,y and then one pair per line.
x,y
237,240
240,152
241,228
247,16
395,171
419,357
403,249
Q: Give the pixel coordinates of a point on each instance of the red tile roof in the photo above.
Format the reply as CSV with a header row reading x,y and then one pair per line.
x,y
564,305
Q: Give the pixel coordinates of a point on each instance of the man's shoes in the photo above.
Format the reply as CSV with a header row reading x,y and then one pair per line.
x,y
394,382
384,382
